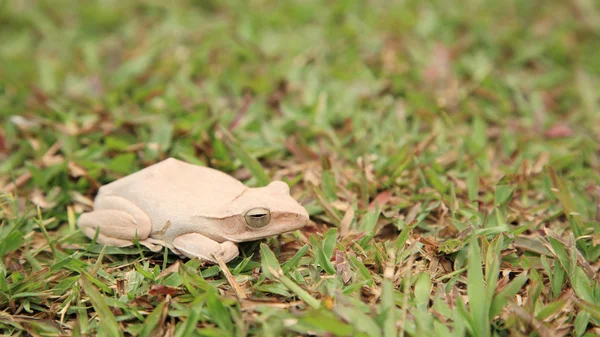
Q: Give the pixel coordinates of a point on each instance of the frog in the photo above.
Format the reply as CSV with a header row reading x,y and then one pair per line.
x,y
195,211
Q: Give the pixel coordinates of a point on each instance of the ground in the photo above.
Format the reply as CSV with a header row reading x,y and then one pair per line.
x,y
447,152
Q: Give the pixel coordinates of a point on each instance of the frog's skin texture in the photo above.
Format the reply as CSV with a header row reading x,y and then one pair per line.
x,y
195,211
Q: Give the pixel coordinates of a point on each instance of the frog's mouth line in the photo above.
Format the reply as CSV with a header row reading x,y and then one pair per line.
x,y
256,238
254,234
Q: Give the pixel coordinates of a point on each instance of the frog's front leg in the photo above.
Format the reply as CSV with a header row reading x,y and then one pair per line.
x,y
197,245
118,220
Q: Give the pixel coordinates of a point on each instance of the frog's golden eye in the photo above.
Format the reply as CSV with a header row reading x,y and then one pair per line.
x,y
257,217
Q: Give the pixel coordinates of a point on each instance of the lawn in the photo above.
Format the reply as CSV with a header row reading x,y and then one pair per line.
x,y
448,153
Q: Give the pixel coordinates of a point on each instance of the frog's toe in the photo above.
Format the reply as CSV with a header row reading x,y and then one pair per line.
x,y
228,251
197,245
153,244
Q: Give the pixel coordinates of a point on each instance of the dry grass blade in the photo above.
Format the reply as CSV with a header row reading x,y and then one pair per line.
x,y
239,292
19,181
532,321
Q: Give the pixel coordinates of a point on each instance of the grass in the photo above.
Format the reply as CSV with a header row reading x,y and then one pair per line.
x,y
447,152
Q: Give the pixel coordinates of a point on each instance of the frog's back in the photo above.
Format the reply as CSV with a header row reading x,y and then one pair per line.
x,y
172,189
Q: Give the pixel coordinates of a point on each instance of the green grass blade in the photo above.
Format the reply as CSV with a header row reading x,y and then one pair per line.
x,y
271,268
188,326
476,289
154,319
509,291
293,262
107,319
246,158
492,268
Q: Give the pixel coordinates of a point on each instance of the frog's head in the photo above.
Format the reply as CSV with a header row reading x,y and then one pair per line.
x,y
265,211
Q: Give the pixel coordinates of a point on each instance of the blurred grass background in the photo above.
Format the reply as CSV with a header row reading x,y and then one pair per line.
x,y
455,117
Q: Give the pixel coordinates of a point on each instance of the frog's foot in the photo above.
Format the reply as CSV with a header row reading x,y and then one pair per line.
x,y
197,245
155,245
118,221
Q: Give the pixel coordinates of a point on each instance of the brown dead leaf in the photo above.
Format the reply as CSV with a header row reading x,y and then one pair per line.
x,y
3,145
154,146
342,268
69,128
503,281
540,163
448,158
424,144
168,330
412,213
159,289
381,199
76,170
50,158
251,304
311,177
79,198
437,72
248,99
346,221
23,123
340,205
135,147
389,56
173,268
20,181
38,240
121,286
559,131
35,144
531,320
242,174
291,169
274,99
460,184
25,320
443,211
38,198
300,151
597,203
429,245
73,246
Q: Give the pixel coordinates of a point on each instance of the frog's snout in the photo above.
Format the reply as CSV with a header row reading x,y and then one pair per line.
x,y
302,217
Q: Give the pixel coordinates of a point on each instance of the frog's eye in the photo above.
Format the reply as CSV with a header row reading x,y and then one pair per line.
x,y
257,217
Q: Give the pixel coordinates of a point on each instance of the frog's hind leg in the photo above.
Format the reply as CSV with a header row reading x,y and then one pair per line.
x,y
118,221
197,245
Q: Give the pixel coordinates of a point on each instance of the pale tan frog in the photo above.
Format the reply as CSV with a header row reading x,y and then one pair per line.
x,y
195,211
